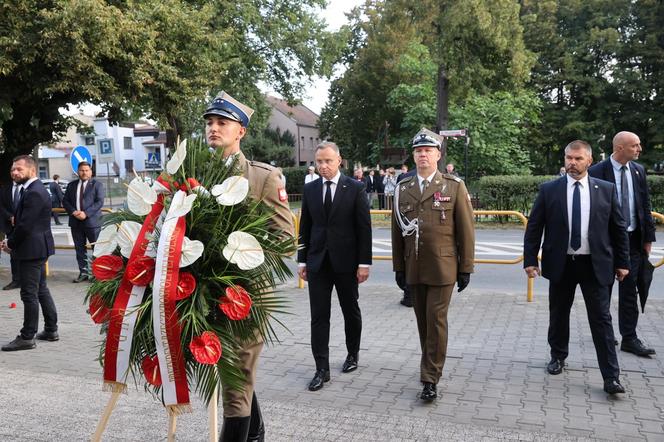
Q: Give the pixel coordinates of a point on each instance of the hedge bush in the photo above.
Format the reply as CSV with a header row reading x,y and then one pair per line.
x,y
515,192
294,178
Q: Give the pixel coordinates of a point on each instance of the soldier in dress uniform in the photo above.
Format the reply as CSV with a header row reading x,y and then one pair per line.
x,y
433,242
226,121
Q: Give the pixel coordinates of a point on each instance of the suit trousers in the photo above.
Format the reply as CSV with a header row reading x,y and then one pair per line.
x,y
628,308
15,266
579,271
81,236
237,403
35,293
431,303
320,299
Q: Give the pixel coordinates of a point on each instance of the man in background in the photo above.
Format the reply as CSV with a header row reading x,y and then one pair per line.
x,y
311,176
31,243
9,199
57,196
634,199
83,201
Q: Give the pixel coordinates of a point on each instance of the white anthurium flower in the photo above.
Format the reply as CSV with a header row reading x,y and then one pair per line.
x,y
244,250
127,236
232,191
107,241
177,159
159,188
180,204
191,251
140,197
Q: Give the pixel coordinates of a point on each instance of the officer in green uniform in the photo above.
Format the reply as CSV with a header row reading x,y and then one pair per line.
x,y
433,242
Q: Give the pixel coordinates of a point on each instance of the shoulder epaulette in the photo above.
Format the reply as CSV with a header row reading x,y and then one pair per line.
x,y
262,165
452,177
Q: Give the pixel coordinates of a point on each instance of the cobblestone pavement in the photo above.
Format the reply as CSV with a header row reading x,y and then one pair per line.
x,y
494,384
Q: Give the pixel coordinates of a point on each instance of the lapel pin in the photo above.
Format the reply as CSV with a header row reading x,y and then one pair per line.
x,y
596,186
412,183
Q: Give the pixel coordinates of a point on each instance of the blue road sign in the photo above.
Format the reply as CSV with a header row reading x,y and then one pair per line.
x,y
78,155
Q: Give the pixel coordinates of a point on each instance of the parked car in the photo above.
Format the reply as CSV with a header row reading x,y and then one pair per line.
x,y
62,183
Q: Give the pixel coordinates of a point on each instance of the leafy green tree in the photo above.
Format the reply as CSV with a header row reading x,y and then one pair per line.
x,y
269,147
164,58
499,124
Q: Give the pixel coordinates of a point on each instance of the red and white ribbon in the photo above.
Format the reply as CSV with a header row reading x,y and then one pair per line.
x,y
166,323
124,312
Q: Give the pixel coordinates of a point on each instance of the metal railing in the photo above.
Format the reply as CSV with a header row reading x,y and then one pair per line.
x,y
517,260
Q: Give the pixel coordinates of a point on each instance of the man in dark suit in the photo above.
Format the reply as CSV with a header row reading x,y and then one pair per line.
x,y
634,199
335,251
56,196
379,186
370,182
9,199
83,201
585,243
31,242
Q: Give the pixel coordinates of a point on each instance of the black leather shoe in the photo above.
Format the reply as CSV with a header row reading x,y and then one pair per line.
x,y
636,347
429,392
350,364
81,277
48,336
319,379
406,302
20,344
555,366
612,386
11,286
234,429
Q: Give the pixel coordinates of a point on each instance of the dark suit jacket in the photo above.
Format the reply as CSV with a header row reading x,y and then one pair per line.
x,y
379,187
370,183
6,208
604,171
403,176
93,201
345,236
609,245
32,237
56,194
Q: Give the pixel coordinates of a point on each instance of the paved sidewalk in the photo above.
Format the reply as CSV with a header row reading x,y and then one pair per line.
x,y
494,384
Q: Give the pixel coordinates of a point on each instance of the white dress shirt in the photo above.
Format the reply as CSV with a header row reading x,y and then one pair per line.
x,y
585,214
630,188
333,186
420,179
79,190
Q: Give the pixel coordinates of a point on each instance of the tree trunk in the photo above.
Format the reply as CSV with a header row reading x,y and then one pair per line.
x,y
442,109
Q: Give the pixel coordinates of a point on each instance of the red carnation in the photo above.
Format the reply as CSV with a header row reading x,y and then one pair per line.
x,y
150,366
140,271
107,267
99,311
186,286
206,348
236,304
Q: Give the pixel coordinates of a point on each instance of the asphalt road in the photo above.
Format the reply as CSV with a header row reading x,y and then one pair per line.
x,y
490,244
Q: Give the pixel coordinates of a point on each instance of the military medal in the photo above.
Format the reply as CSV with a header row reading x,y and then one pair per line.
x,y
442,215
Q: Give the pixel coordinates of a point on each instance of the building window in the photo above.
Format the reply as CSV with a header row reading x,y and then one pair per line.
x,y
43,172
89,141
129,166
127,143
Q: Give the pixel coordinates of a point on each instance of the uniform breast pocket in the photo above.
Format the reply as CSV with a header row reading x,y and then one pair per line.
x,y
442,212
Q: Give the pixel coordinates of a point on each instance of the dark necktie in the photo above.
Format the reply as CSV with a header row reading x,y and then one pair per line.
x,y
327,203
80,199
575,241
16,197
624,195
